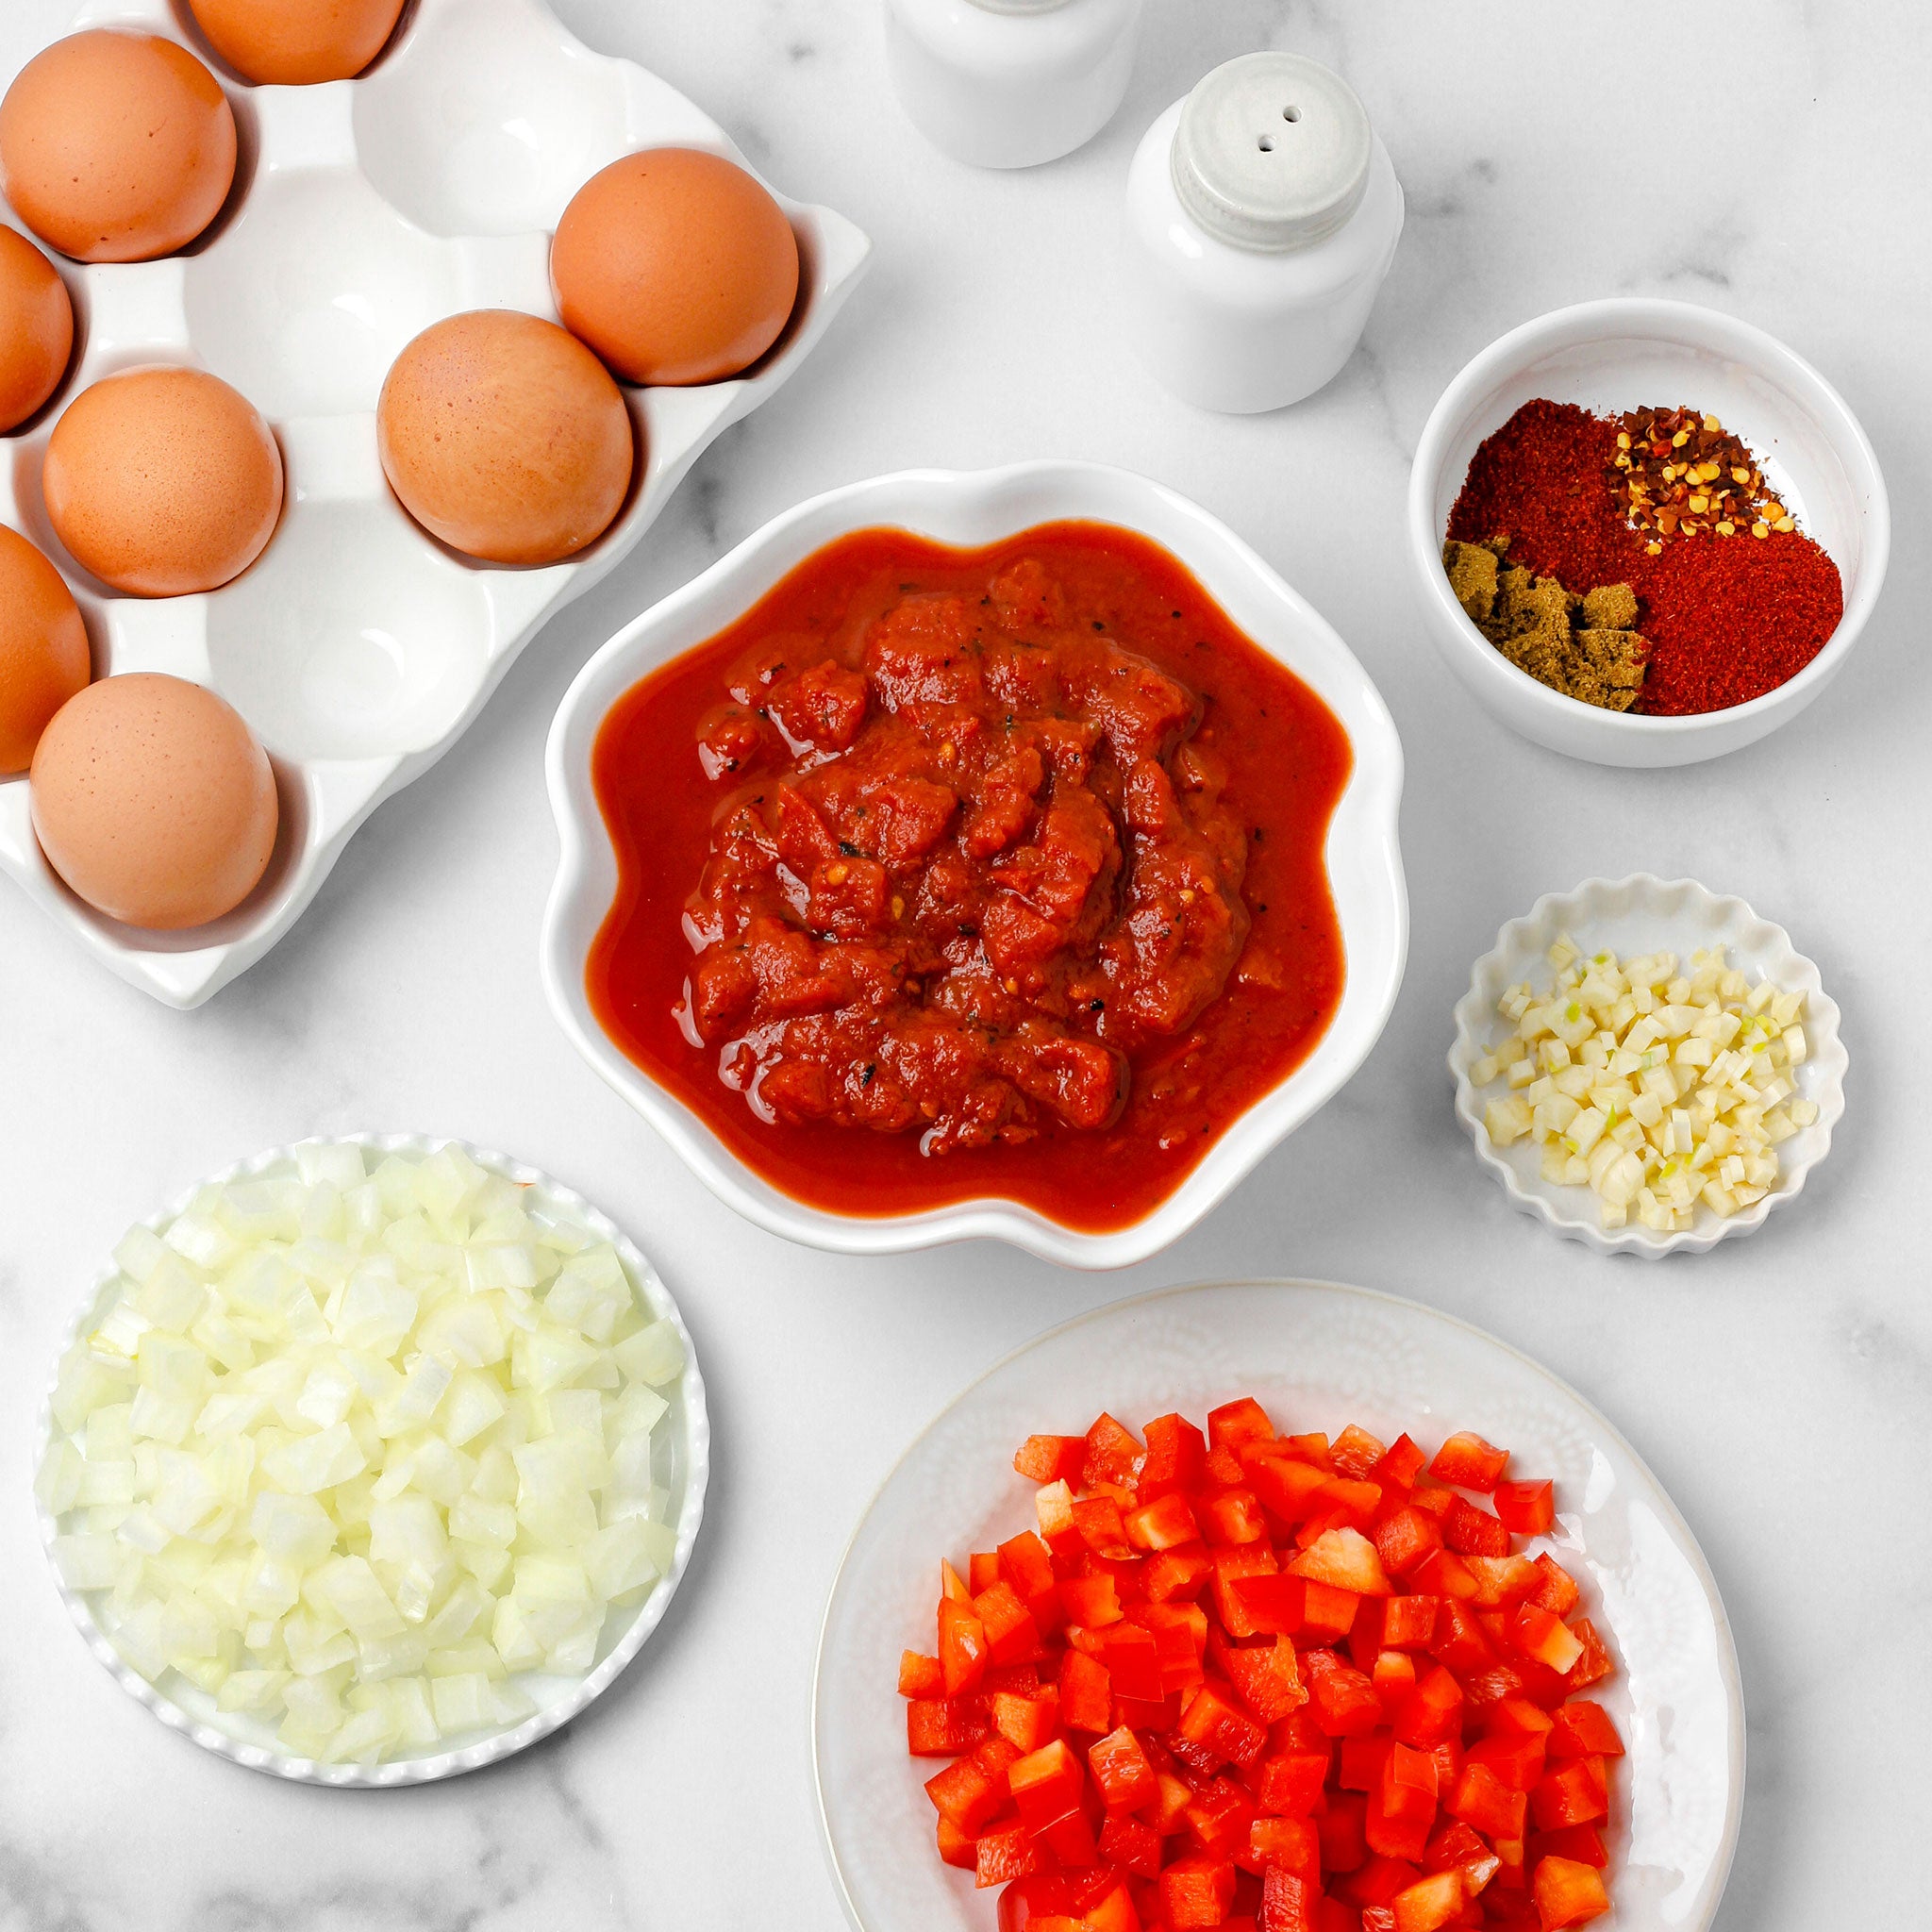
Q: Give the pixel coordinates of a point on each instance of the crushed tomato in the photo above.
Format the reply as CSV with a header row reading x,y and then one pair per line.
x,y
1011,856
1269,1683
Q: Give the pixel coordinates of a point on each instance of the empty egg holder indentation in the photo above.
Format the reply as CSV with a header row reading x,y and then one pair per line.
x,y
357,647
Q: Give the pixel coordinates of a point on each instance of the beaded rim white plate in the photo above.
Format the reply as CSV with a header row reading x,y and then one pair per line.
x,y
625,1631
1318,1355
1643,913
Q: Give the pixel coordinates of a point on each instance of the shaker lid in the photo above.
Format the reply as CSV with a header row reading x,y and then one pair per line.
x,y
1272,152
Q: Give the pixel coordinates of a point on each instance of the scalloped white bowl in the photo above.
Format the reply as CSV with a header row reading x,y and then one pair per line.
x,y
681,1464
974,508
1644,914
1623,354
1318,1355
357,647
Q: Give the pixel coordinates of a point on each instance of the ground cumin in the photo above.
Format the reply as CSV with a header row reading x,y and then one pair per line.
x,y
1584,646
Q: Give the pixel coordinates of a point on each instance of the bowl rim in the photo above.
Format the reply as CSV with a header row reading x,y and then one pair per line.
x,y
1662,319
1475,1017
490,1746
747,571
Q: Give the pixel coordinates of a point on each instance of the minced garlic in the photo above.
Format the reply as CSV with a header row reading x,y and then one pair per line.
x,y
1654,1084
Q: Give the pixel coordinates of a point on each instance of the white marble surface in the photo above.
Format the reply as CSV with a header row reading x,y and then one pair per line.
x,y
1776,161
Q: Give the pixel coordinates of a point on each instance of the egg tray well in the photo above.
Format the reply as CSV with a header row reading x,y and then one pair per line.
x,y
357,647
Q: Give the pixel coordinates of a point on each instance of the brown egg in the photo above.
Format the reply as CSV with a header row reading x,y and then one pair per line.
x,y
162,481
36,330
44,654
675,266
153,800
298,42
116,145
504,436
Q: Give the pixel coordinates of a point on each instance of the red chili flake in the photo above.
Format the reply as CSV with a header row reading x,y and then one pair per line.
x,y
1727,618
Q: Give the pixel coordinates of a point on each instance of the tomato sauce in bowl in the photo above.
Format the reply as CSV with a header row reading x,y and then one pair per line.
x,y
948,873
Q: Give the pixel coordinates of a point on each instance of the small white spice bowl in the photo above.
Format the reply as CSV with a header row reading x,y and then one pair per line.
x,y
1644,914
1630,353
681,1458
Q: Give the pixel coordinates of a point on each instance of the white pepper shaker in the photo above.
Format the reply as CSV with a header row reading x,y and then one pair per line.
x,y
1010,83
1263,216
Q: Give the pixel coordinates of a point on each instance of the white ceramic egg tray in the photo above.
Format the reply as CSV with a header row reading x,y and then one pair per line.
x,y
357,647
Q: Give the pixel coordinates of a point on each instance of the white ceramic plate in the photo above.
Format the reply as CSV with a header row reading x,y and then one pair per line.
x,y
1316,1356
1643,914
1630,353
969,508
681,1459
357,647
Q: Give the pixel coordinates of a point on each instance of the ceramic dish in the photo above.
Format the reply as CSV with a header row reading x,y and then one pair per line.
x,y
1643,914
967,508
681,1466
1321,1356
1630,352
357,647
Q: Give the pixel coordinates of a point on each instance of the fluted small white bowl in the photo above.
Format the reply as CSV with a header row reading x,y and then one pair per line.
x,y
971,508
1644,914
184,1707
1624,353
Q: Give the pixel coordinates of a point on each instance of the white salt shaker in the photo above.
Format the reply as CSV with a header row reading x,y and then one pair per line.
x,y
1262,215
1010,83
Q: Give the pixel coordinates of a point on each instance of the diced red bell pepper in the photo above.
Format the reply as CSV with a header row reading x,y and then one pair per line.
x,y
1515,1756
1268,1606
1196,1891
1113,1454
1046,1785
919,1676
1347,1559
1407,1622
1568,1893
1170,1808
1113,1913
972,1791
1344,1700
1520,1716
1486,1804
1527,1509
1218,1818
1288,1901
1087,1689
1401,1463
1025,1722
1501,1579
1290,1844
1403,1540
1266,1677
1584,1729
1291,1784
956,1847
1328,1612
1401,1809
1359,1763
962,1646
1345,1844
1209,1722
1231,1566
1393,1676
1011,1635
1090,1602
1131,1844
1241,1420
1220,1468
1175,1452
1379,1878
1473,1532
1378,1919
1164,1523
1444,1573
1286,1488
1120,1771
1357,1501
1052,1459
1175,1575
1005,1852
1573,1794
1557,1591
1460,1643
1098,1524
1544,1638
1355,1452
1233,1517
1429,1904
1582,1842
982,1570
1468,1462
1431,1712
1453,1844
1594,1665
944,1726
